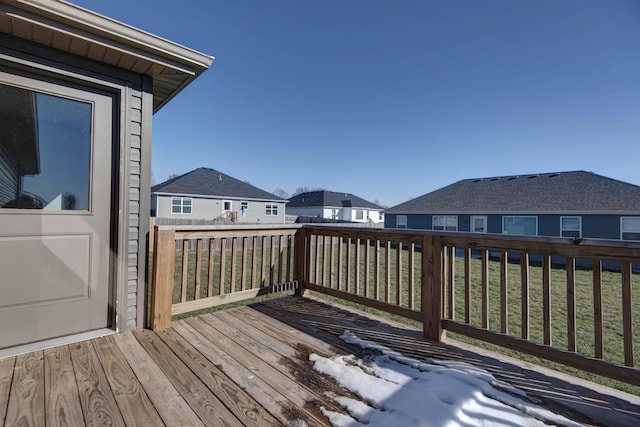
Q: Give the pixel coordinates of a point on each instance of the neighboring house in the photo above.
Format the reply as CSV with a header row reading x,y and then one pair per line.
x,y
335,206
77,95
569,204
209,195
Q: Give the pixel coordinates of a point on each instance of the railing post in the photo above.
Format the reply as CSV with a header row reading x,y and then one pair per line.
x,y
300,256
432,255
164,259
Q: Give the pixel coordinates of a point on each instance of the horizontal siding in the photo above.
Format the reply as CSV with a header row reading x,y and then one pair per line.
x,y
134,155
593,226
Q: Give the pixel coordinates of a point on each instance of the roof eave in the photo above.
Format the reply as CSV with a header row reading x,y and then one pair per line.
x,y
84,24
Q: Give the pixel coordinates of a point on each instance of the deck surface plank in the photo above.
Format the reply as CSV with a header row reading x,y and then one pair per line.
x,y
280,363
26,402
98,403
249,366
62,401
261,356
292,392
135,406
271,399
6,376
243,406
171,407
204,403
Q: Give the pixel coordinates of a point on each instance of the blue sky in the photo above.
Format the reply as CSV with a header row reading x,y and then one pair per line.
x,y
390,100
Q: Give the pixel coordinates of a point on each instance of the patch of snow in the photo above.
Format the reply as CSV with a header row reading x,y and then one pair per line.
x,y
395,390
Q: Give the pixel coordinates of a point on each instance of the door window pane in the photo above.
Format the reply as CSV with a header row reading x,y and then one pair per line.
x,y
45,151
478,224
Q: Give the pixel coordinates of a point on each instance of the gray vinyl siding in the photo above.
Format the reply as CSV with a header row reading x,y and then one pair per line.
x,y
601,226
593,226
134,136
140,108
414,221
208,209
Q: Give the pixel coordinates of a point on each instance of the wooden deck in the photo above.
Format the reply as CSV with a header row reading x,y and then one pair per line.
x,y
242,366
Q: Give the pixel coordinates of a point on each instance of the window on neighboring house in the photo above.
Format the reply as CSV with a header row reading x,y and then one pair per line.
x,y
630,228
226,205
271,209
520,225
570,226
244,206
445,222
401,221
478,224
181,205
334,214
359,214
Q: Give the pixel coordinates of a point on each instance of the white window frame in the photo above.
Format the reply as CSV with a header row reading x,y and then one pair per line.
x,y
472,221
182,205
622,221
504,218
359,212
271,209
444,222
563,229
401,224
224,202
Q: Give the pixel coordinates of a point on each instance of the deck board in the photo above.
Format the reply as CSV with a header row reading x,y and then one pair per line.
x,y
134,404
98,403
26,400
6,376
62,401
204,403
243,366
171,407
273,401
243,406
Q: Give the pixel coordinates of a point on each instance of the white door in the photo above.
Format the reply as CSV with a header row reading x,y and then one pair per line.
x,y
55,209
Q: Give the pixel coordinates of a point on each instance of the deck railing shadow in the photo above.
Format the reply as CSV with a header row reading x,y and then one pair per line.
x,y
500,289
328,321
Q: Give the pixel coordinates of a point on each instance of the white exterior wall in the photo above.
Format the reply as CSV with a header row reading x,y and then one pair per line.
x,y
210,209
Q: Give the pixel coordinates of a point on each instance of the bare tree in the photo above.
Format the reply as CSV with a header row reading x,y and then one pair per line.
x,y
279,192
172,175
69,201
305,189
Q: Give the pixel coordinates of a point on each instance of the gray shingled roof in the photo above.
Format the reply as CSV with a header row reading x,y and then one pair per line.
x,y
210,182
329,198
560,191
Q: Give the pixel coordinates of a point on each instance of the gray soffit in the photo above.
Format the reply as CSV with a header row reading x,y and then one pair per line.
x,y
72,29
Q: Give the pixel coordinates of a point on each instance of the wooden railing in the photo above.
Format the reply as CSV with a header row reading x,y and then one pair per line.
x,y
568,301
573,302
198,267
